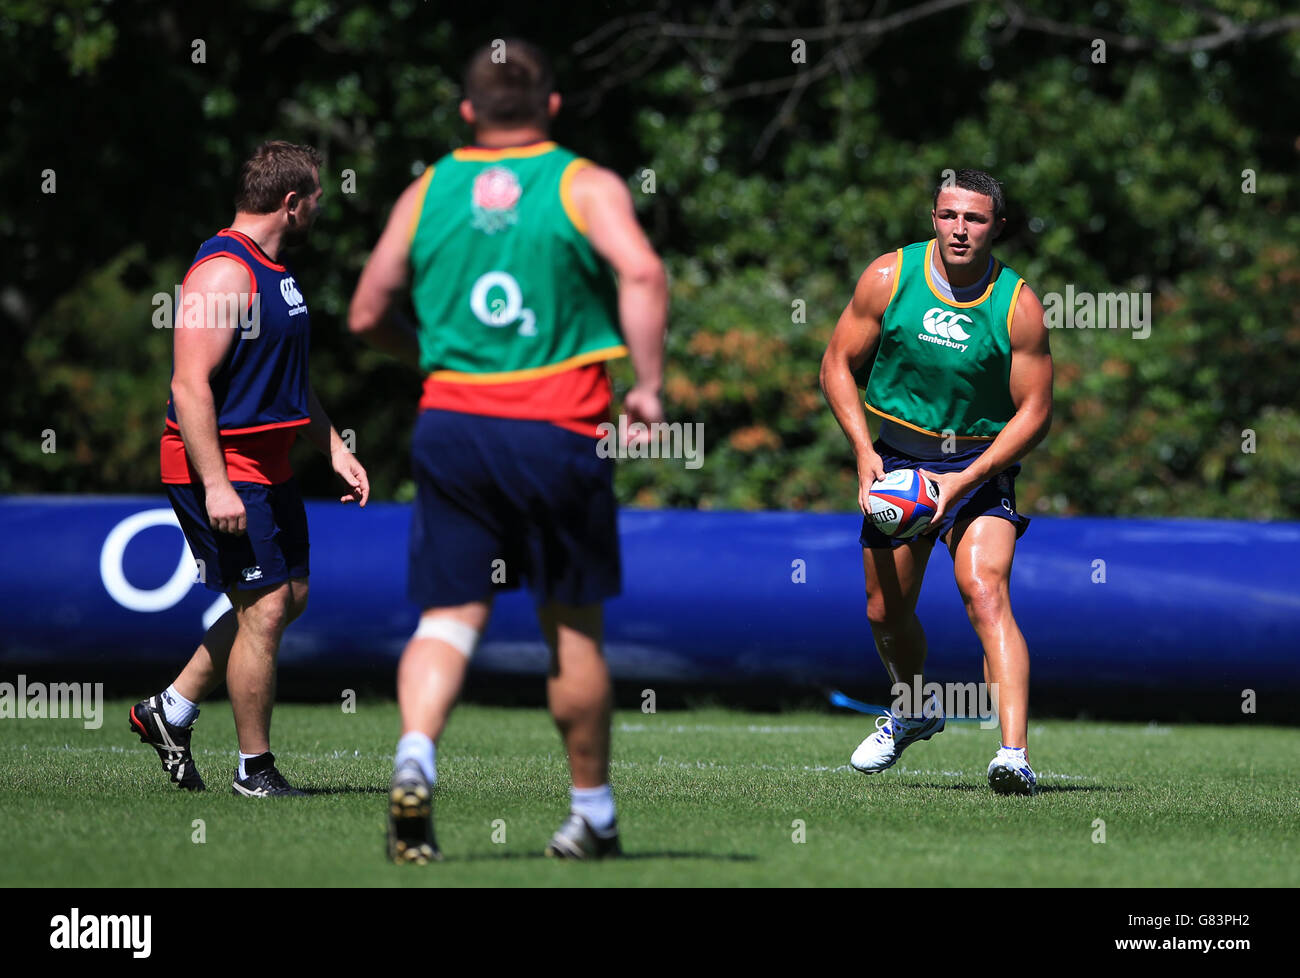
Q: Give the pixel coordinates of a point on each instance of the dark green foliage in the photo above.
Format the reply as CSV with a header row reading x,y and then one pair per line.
x,y
1122,176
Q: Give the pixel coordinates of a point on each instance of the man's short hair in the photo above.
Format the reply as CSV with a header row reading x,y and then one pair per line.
x,y
981,183
275,169
509,83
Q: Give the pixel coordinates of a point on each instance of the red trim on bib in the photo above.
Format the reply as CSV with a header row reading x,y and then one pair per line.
x,y
253,247
577,400
262,456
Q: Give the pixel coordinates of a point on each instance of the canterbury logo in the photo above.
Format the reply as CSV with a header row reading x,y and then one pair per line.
x,y
946,323
289,289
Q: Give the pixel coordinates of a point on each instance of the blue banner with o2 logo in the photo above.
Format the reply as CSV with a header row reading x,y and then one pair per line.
x,y
708,597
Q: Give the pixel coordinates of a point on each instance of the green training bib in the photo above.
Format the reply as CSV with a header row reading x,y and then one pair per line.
x,y
505,284
944,365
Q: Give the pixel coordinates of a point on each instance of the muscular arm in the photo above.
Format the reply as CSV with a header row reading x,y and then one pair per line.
x,y
202,340
852,345
1031,392
372,314
605,206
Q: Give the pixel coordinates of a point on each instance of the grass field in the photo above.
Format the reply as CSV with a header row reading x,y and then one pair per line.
x,y
706,797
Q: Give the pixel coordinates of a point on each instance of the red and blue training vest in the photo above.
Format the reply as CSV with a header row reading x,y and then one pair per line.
x,y
261,390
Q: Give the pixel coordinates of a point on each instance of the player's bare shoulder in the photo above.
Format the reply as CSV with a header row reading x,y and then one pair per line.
x,y
406,210
876,286
1028,329
602,209
858,330
600,196
415,190
220,275
215,293
594,181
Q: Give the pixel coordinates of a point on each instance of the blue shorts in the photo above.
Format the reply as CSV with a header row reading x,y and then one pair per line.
x,y
993,497
501,501
273,549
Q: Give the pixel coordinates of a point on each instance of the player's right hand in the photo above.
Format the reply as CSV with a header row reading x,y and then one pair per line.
x,y
870,469
226,510
642,404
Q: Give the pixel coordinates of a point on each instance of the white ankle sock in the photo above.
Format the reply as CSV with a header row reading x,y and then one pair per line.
x,y
418,747
596,805
243,773
179,711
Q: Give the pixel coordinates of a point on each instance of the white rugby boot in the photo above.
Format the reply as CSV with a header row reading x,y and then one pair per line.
x,y
879,751
1010,773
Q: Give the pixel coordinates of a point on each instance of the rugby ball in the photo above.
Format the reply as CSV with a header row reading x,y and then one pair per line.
x,y
902,503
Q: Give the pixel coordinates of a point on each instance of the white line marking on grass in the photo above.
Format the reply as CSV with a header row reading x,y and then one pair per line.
x,y
455,758
1066,777
715,766
205,752
931,774
717,728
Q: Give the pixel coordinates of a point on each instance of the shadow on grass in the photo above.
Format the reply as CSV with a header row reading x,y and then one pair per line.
x,y
346,790
1048,789
734,857
1043,789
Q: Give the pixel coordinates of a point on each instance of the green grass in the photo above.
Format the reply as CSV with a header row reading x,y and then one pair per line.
x,y
706,797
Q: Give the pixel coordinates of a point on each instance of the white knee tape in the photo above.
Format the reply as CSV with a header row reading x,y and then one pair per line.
x,y
457,634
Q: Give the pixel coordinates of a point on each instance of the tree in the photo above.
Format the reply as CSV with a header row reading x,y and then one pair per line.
x,y
768,171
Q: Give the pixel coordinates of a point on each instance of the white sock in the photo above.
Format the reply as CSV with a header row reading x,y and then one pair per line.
x,y
596,805
243,774
419,748
1019,752
179,711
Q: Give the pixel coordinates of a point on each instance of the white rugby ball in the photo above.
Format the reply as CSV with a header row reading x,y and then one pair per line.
x,y
902,503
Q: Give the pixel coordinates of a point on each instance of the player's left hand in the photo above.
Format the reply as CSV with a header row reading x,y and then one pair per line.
x,y
952,486
351,472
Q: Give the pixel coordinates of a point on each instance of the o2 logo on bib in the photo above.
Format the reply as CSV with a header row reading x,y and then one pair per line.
x,y
496,300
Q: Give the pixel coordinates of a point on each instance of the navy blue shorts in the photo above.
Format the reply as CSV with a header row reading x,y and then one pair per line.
x,y
993,497
272,550
502,501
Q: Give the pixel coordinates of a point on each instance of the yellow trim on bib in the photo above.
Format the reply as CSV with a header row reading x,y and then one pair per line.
x,y
423,192
566,192
484,154
532,373
929,261
925,431
1011,309
898,277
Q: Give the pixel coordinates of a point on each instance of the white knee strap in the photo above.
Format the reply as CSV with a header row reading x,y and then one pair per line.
x,y
461,637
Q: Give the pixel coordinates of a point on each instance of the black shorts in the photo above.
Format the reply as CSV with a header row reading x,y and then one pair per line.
x,y
274,548
501,502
